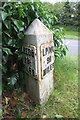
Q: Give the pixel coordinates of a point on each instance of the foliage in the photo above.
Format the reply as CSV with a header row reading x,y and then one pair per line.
x,y
16,17
67,12
78,14
57,8
60,48
66,17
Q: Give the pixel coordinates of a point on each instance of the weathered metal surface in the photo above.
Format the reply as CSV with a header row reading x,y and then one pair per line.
x,y
39,57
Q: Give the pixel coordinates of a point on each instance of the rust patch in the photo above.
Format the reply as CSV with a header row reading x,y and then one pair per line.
x,y
36,77
41,63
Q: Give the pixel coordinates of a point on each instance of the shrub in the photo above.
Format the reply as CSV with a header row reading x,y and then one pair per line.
x,y
16,17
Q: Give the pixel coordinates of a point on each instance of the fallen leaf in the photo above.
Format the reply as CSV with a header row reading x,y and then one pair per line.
x,y
23,114
7,100
6,111
15,98
24,95
12,102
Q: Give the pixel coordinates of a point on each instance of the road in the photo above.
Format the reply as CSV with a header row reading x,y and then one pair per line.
x,y
73,46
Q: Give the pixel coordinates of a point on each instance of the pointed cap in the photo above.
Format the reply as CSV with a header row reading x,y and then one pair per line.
x,y
37,28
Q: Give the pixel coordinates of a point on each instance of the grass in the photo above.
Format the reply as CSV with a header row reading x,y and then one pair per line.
x,y
64,99
71,32
66,84
62,103
72,35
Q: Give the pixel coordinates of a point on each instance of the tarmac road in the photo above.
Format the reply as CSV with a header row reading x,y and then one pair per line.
x,y
73,46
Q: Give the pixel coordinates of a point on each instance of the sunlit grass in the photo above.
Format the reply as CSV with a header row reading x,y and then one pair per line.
x,y
66,84
71,31
72,34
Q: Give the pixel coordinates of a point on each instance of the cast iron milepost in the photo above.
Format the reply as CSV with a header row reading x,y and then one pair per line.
x,y
38,58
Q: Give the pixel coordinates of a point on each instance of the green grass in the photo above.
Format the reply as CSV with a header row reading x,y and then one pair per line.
x,y
71,32
64,98
63,102
66,84
72,35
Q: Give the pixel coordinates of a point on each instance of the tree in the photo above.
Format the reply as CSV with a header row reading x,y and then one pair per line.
x,y
58,9
78,15
66,17
66,12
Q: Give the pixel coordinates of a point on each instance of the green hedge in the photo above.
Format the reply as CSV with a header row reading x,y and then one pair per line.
x,y
16,17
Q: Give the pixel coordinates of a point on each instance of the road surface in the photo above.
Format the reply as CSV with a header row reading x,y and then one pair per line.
x,y
73,46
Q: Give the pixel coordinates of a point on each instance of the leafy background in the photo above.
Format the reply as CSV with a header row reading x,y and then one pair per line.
x,y
16,17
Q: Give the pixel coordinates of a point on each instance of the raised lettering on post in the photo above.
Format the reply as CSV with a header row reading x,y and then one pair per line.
x,y
29,59
47,55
